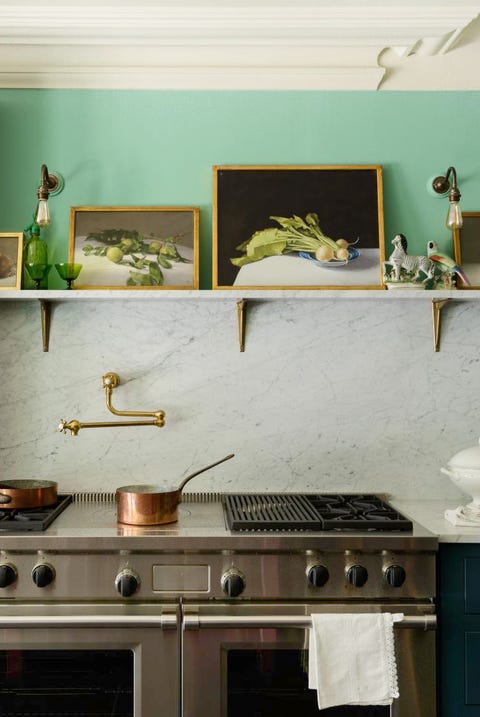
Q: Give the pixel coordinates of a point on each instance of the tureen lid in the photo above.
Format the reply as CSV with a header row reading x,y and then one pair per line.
x,y
467,458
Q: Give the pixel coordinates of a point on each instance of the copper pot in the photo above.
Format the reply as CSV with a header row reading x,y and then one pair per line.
x,y
27,493
152,504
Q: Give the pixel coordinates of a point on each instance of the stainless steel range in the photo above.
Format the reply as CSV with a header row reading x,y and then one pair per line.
x,y
208,616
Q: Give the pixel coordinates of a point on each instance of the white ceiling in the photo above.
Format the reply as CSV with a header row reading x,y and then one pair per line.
x,y
222,44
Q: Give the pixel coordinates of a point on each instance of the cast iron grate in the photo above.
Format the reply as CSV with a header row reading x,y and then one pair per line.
x,y
297,512
32,519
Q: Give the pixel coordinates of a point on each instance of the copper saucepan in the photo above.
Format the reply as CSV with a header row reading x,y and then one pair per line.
x,y
27,493
152,504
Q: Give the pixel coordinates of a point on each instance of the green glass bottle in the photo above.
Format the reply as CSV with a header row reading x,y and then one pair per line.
x,y
35,252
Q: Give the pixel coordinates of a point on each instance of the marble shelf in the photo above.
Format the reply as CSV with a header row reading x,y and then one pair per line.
x,y
224,294
438,300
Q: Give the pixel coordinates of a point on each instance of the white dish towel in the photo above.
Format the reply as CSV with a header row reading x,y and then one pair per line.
x,y
351,659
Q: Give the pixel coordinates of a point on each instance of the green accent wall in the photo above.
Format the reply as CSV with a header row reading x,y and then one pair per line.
x,y
158,148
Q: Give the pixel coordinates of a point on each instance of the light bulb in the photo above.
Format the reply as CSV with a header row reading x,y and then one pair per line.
x,y
454,216
42,215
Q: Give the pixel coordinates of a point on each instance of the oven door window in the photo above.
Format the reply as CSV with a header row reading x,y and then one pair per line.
x,y
265,682
66,683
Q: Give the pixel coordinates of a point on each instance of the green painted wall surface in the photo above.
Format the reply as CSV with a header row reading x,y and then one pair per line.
x,y
158,148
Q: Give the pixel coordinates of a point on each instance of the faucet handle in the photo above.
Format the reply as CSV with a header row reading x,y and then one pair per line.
x,y
72,426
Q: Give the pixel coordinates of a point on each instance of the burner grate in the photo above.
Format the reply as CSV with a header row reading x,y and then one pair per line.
x,y
32,519
265,511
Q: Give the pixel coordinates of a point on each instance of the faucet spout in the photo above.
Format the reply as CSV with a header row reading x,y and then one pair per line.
x,y
109,382
74,426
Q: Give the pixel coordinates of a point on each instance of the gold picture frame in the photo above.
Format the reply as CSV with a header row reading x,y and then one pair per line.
x,y
466,246
149,247
11,249
271,202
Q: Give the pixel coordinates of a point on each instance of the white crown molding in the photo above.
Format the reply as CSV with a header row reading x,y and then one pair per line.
x,y
211,47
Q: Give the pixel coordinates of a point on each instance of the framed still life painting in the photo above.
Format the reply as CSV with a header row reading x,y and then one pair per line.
x,y
11,245
301,227
135,247
466,243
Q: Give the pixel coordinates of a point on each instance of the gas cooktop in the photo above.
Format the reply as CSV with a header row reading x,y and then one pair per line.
x,y
33,519
89,522
266,512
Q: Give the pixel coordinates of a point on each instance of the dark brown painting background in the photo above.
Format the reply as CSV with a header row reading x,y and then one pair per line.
x,y
346,201
470,239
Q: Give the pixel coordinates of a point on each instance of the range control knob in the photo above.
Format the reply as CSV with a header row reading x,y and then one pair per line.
x,y
357,575
127,582
395,576
8,575
318,575
43,574
233,583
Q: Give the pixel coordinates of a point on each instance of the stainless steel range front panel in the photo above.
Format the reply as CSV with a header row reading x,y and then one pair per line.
x,y
167,576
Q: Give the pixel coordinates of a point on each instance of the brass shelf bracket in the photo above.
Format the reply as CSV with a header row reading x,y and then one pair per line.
x,y
45,308
109,382
242,320
437,306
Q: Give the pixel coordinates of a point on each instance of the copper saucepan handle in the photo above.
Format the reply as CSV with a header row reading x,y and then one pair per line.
x,y
212,465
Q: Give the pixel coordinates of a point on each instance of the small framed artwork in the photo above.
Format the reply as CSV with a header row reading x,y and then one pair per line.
x,y
135,247
11,245
466,244
300,227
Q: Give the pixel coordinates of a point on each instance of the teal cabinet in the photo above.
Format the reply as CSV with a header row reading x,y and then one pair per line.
x,y
459,630
472,669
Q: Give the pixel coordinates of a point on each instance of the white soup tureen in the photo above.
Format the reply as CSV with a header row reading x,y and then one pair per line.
x,y
463,469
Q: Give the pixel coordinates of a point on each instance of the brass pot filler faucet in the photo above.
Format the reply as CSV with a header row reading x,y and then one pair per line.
x,y
109,382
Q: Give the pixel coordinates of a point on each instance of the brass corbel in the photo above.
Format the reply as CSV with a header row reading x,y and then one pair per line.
x,y
242,320
437,306
45,318
109,382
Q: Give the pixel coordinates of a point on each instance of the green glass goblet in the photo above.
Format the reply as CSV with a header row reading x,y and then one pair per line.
x,y
68,272
37,272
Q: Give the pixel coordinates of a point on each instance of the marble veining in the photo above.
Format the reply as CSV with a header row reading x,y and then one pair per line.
x,y
329,395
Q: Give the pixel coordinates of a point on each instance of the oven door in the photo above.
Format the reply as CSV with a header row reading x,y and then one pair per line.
x,y
253,660
71,660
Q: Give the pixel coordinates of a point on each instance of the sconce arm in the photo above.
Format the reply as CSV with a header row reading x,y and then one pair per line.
x,y
50,183
452,171
442,185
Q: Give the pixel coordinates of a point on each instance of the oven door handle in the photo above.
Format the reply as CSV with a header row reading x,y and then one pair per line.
x,y
301,622
86,621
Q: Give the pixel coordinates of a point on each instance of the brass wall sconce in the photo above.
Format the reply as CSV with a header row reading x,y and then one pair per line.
x,y
442,185
51,183
109,382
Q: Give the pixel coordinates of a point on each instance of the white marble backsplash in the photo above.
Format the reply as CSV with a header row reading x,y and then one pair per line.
x,y
330,395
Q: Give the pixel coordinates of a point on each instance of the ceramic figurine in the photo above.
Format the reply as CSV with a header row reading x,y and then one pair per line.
x,y
406,268
445,263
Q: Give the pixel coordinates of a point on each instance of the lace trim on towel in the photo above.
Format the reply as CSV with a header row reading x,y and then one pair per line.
x,y
389,654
